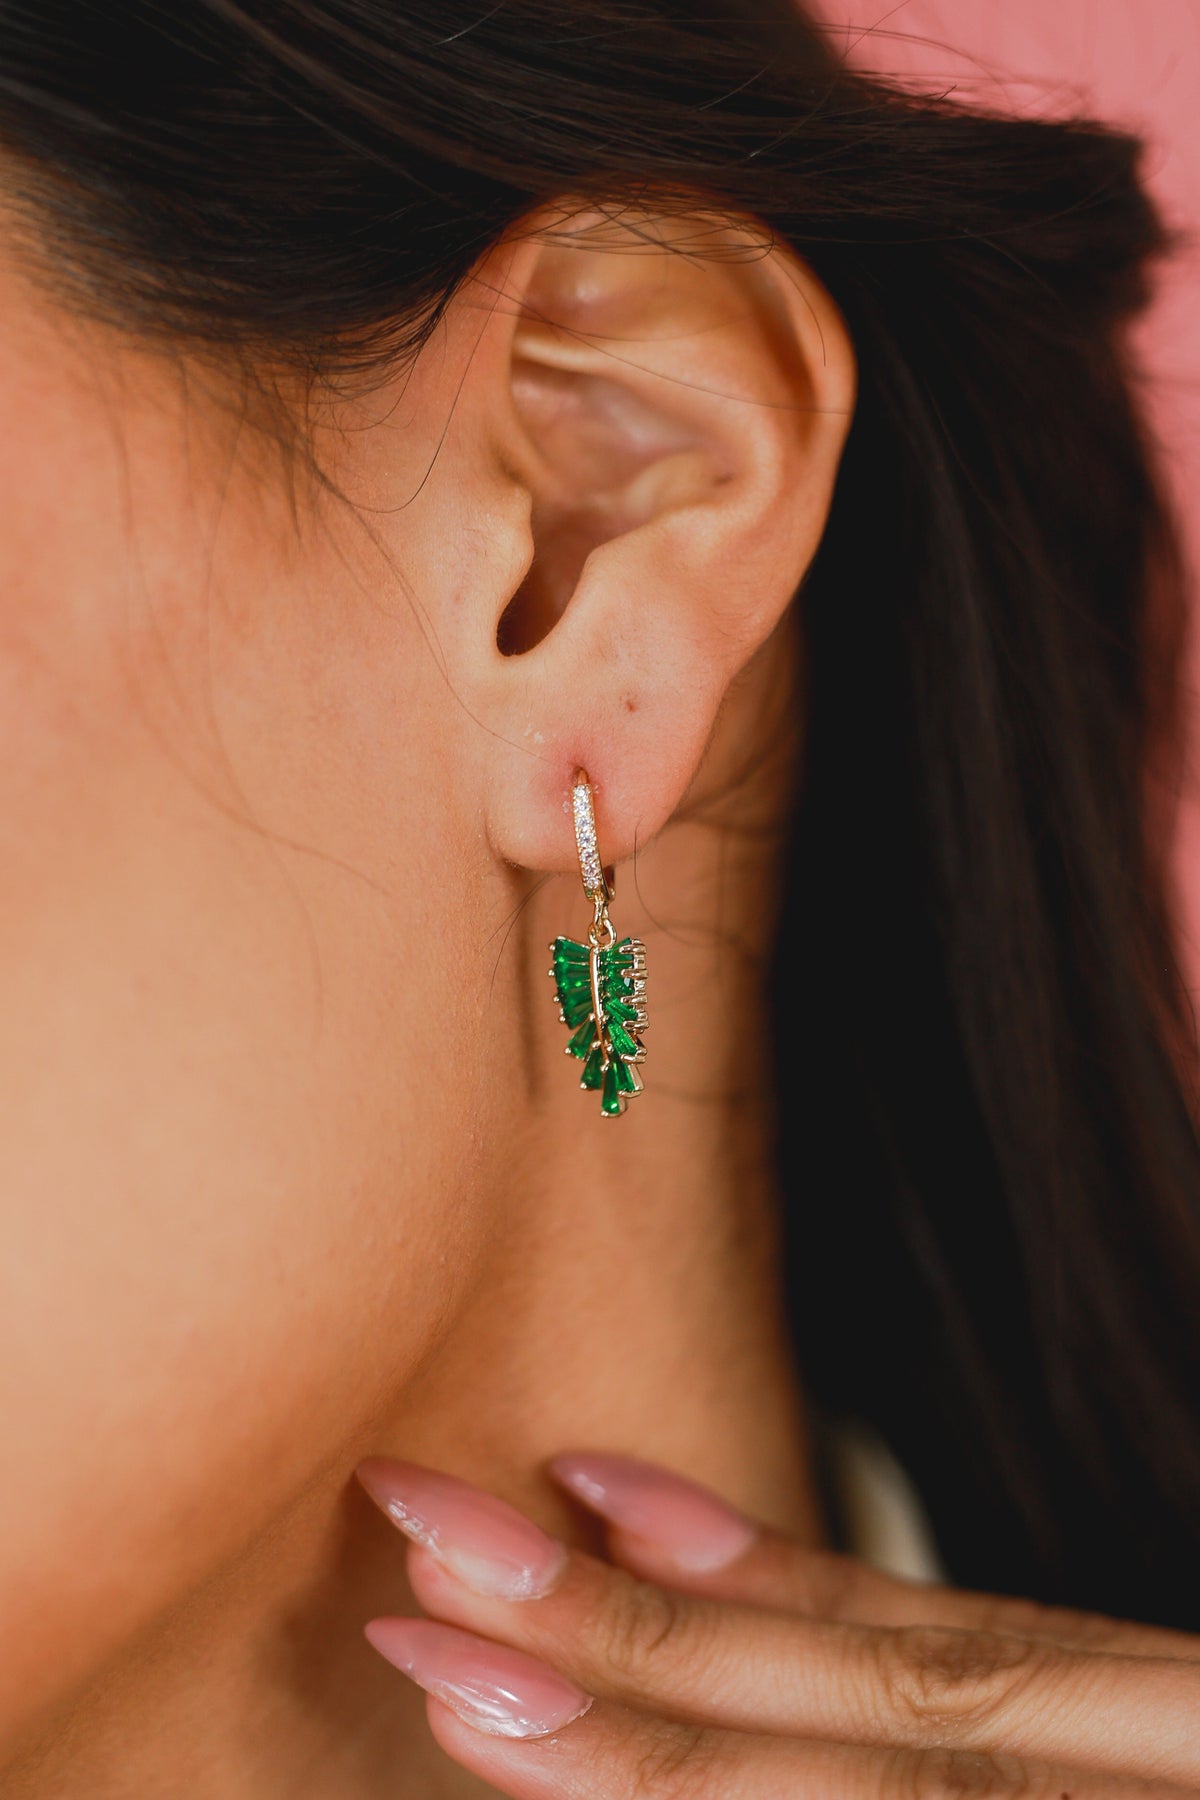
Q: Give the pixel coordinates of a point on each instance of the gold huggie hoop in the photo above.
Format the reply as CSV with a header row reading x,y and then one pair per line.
x,y
600,983
599,883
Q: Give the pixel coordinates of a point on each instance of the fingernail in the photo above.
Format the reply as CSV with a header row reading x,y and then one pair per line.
x,y
500,1691
691,1526
488,1544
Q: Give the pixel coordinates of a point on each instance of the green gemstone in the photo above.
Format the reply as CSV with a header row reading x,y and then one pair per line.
x,y
618,967
576,1007
627,1081
610,1100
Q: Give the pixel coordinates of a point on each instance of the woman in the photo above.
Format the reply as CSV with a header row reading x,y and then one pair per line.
x,y
407,407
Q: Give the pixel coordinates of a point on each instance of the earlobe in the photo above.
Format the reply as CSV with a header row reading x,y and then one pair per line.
x,y
678,397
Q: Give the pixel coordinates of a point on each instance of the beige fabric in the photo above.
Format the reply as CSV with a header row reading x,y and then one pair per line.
x,y
886,1524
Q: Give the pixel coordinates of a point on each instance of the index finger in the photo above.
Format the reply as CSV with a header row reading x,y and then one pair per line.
x,y
668,1529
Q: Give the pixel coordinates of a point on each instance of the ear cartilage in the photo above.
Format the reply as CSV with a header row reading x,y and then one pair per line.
x,y
600,983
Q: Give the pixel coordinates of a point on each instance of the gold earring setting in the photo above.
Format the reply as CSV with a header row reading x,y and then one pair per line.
x,y
600,984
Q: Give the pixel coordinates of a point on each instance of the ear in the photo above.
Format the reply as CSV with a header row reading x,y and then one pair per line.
x,y
662,403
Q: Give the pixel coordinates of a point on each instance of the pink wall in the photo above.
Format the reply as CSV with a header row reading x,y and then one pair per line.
x,y
1136,62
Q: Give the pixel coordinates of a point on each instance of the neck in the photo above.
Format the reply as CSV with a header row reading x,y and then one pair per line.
x,y
627,1301
631,1300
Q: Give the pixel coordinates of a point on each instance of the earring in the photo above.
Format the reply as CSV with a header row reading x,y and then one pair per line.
x,y
600,985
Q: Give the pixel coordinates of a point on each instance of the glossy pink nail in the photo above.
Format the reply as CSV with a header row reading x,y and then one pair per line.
x,y
488,1544
500,1691
698,1532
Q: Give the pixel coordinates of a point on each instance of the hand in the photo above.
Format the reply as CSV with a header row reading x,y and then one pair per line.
x,y
718,1661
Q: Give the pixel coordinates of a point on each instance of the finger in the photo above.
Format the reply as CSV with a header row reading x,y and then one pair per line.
x,y
778,1574
487,1568
612,1754
668,1529
703,1661
517,1725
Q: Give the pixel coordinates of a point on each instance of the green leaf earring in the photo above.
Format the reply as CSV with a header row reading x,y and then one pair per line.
x,y
600,985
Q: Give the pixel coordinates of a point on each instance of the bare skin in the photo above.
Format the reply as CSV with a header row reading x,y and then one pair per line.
x,y
293,1168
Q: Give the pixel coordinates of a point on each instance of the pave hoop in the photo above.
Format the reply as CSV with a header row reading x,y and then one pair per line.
x,y
598,882
600,982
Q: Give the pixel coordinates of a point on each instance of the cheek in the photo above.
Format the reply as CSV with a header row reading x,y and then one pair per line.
x,y
235,1038
230,1061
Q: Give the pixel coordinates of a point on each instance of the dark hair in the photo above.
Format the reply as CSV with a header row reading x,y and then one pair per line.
x,y
987,1139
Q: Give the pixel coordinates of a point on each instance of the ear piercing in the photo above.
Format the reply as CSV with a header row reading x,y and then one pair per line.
x,y
600,985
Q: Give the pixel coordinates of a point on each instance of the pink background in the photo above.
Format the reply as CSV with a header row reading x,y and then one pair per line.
x,y
1136,62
